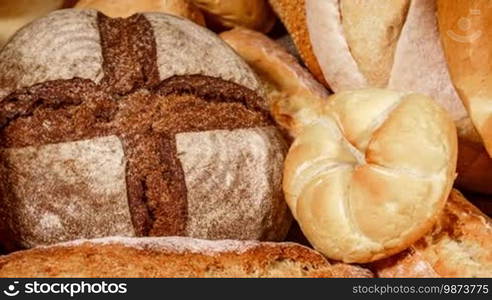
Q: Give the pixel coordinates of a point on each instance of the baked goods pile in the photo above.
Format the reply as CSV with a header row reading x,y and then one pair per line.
x,y
135,142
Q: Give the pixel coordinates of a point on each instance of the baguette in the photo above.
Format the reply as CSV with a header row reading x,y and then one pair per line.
x,y
459,246
293,15
173,257
369,176
466,27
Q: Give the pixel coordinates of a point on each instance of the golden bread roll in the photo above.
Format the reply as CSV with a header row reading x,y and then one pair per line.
x,y
285,79
223,14
15,14
459,246
126,8
293,16
369,176
389,44
466,27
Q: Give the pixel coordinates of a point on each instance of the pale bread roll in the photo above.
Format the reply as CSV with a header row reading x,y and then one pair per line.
x,y
393,44
459,246
466,27
285,80
370,175
173,257
126,8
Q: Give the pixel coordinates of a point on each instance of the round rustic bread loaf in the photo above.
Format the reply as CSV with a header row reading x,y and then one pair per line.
x,y
370,174
149,125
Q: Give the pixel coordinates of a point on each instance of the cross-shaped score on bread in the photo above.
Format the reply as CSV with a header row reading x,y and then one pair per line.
x,y
149,125
369,176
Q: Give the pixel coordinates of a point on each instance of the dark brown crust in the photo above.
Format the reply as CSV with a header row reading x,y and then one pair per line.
x,y
157,192
129,53
145,121
7,230
145,114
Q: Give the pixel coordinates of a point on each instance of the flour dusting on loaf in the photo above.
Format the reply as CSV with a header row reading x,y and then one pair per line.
x,y
198,55
131,136
68,190
63,45
173,244
215,164
173,257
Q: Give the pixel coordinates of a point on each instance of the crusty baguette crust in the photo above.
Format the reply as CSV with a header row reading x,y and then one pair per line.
x,y
293,15
474,168
466,27
173,257
482,202
459,246
367,29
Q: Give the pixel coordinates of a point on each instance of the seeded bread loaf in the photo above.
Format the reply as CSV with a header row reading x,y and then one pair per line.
x,y
173,257
149,125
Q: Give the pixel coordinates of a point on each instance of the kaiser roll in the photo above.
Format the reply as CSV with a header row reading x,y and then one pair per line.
x,y
369,176
389,44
